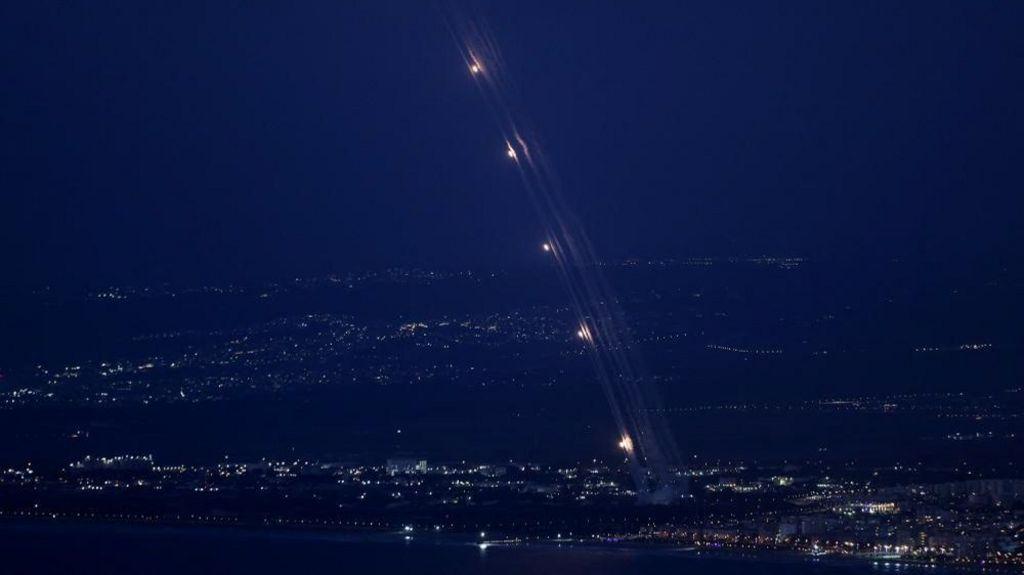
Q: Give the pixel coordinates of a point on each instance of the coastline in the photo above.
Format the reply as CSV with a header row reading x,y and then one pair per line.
x,y
48,526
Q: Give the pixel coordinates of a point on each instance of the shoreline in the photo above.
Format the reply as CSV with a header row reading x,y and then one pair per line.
x,y
53,523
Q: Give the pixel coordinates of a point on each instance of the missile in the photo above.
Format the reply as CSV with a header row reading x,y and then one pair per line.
x,y
475,67
626,444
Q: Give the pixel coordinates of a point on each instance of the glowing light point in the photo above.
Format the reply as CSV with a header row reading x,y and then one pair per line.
x,y
547,247
475,68
510,151
584,333
626,444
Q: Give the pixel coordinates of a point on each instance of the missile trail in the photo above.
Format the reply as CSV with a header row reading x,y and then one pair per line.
x,y
602,329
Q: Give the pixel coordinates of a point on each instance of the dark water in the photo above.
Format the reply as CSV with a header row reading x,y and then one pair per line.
x,y
45,548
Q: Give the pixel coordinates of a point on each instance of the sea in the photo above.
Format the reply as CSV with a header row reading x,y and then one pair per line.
x,y
82,548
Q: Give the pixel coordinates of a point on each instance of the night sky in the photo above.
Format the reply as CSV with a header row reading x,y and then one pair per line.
x,y
192,141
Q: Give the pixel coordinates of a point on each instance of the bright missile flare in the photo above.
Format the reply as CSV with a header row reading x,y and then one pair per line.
x,y
626,444
475,68
510,151
547,247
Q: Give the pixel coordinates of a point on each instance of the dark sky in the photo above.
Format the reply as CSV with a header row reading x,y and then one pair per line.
x,y
146,141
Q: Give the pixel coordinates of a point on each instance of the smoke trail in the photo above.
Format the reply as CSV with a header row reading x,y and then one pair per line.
x,y
619,370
